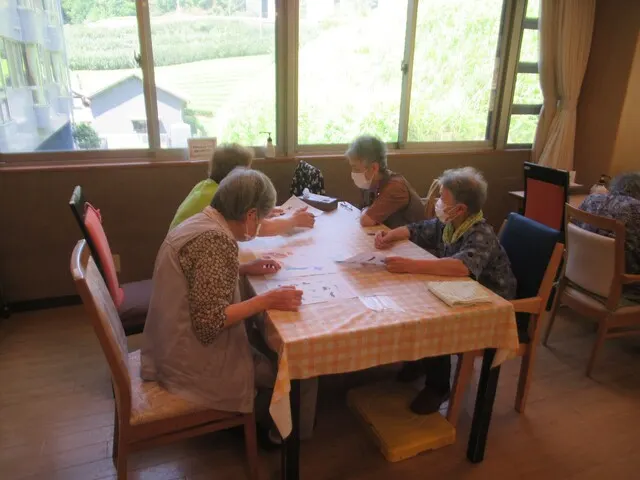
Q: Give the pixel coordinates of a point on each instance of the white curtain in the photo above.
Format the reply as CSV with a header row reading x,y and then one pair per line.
x,y
566,27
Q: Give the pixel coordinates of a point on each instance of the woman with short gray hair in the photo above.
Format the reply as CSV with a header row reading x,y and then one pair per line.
x,y
225,159
195,342
465,246
389,198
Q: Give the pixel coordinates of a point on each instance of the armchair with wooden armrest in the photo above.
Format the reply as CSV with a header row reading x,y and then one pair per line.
x,y
594,288
535,254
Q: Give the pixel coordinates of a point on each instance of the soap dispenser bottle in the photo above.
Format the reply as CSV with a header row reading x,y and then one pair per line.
x,y
270,150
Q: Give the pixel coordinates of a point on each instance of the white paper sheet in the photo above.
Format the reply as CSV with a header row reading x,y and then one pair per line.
x,y
365,258
295,203
381,303
326,288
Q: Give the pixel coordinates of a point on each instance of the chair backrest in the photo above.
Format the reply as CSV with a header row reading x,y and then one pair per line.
x,y
90,223
431,199
595,262
530,246
77,203
546,191
106,322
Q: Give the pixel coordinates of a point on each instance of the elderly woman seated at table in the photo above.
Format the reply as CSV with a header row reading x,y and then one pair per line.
x,y
621,203
195,342
225,159
389,198
465,245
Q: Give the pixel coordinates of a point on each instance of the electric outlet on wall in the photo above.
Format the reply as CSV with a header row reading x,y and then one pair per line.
x,y
116,262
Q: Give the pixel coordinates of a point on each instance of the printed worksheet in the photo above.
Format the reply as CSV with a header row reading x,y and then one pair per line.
x,y
299,265
326,288
365,258
295,203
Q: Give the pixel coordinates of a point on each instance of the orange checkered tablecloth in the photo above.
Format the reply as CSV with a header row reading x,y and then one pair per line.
x,y
345,336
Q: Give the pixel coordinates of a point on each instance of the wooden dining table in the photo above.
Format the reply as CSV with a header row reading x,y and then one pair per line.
x,y
344,335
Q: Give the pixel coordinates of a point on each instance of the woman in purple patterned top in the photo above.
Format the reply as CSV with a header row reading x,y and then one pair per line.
x,y
621,203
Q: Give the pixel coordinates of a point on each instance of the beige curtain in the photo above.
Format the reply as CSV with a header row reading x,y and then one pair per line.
x,y
566,27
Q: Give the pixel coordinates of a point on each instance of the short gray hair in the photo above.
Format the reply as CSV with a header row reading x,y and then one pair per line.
x,y
243,190
467,185
626,184
369,150
226,158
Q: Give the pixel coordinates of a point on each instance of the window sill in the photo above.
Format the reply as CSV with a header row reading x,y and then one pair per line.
x,y
81,160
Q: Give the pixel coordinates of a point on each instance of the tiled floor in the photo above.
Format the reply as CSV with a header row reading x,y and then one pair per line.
x,y
56,417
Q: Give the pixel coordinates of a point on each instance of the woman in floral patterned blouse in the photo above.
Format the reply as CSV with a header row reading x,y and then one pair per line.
x,y
465,246
195,342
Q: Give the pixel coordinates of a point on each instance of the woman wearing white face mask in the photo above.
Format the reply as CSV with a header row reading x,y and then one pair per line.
x,y
465,245
195,342
390,199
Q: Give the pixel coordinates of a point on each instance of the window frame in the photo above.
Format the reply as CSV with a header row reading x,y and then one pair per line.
x,y
4,98
286,72
522,23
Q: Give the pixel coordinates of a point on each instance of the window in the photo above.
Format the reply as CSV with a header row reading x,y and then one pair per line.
x,y
349,75
420,74
140,126
527,95
35,79
215,69
100,44
4,66
17,70
5,115
453,70
60,73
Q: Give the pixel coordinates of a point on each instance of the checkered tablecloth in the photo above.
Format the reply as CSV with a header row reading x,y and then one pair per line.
x,y
345,336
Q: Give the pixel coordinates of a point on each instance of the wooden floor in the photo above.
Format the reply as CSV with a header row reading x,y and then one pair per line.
x,y
56,417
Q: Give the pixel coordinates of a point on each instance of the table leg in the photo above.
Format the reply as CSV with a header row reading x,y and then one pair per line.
x,y
483,408
291,446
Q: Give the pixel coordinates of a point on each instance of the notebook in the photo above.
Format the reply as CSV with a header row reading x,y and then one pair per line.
x,y
458,293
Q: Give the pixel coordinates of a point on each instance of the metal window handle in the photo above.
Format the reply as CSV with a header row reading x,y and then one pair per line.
x,y
137,57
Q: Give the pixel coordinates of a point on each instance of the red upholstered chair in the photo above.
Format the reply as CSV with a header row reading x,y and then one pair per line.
x,y
545,195
131,299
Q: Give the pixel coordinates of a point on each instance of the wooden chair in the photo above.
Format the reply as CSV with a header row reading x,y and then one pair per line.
x,y
430,200
137,295
146,415
535,253
593,277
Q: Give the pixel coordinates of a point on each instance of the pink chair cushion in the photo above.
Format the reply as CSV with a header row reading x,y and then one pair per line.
x,y
93,224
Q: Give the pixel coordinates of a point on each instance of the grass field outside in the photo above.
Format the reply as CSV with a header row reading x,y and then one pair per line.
x,y
349,72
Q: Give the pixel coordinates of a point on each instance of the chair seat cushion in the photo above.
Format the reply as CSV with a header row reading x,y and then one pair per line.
x,y
133,310
150,402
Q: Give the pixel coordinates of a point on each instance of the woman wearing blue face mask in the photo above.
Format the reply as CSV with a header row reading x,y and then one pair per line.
x,y
465,245
195,342
389,198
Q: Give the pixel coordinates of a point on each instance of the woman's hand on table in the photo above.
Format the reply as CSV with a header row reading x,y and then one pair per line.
x,y
382,240
402,265
284,298
302,218
386,239
275,212
260,267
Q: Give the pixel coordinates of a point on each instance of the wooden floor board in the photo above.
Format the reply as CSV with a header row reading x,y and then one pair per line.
x,y
56,417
